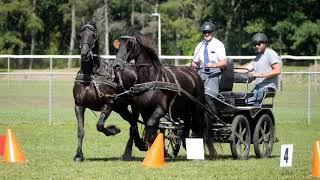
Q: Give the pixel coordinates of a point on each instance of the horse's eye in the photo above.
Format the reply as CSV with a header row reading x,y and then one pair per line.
x,y
78,36
130,44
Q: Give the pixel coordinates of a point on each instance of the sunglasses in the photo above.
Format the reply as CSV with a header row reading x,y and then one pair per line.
x,y
206,32
258,44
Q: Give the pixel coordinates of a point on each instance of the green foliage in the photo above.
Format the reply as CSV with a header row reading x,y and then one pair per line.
x,y
9,41
307,36
291,26
256,25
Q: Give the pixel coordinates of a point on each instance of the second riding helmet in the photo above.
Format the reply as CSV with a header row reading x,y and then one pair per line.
x,y
259,37
207,26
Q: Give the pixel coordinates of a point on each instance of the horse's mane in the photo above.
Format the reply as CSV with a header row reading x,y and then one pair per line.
x,y
147,44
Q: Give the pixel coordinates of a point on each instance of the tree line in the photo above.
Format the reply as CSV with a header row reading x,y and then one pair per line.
x,y
50,26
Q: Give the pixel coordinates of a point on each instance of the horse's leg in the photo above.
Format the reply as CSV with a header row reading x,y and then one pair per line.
x,y
79,110
138,141
153,124
134,133
110,130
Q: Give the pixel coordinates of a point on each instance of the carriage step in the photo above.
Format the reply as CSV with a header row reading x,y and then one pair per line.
x,y
167,124
219,125
221,133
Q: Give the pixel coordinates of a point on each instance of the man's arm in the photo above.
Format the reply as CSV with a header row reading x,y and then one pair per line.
x,y
245,69
276,70
221,64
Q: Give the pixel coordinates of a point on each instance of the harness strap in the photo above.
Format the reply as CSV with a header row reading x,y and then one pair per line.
x,y
144,87
84,78
175,80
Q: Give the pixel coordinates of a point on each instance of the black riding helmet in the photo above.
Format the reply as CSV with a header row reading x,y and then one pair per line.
x,y
259,37
207,27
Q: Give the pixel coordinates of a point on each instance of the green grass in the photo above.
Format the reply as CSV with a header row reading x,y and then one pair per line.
x,y
50,150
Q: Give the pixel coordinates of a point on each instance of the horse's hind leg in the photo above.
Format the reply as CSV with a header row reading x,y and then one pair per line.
x,y
79,110
111,130
134,131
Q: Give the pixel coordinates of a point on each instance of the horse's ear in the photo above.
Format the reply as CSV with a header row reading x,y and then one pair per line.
x,y
116,44
77,36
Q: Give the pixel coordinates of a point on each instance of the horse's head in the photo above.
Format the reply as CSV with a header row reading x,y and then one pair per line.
x,y
128,49
134,46
88,44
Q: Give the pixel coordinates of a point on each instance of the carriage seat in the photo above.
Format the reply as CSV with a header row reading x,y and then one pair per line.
x,y
227,78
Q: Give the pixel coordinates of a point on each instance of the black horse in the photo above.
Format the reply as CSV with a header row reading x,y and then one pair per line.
x,y
94,88
177,91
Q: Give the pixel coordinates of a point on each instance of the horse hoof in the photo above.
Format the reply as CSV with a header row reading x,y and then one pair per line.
x,y
126,157
78,158
112,130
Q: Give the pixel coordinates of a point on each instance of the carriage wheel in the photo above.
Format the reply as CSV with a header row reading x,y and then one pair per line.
x,y
263,137
240,137
172,142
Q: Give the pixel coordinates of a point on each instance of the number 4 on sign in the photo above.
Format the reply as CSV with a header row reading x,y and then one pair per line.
x,y
286,155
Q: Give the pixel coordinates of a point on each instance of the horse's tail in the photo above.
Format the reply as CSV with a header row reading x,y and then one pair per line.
x,y
206,119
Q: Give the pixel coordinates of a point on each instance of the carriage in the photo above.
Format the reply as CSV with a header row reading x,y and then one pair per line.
x,y
238,122
169,99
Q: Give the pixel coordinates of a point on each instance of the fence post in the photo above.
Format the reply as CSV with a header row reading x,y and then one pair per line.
x,y
309,98
315,76
50,92
8,70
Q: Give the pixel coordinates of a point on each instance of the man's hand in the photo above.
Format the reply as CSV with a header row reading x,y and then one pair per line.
x,y
257,75
211,65
193,64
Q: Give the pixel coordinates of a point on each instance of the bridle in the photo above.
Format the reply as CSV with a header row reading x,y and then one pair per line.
x,y
91,46
133,46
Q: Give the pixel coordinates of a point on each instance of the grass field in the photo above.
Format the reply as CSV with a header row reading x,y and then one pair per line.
x,y
50,151
50,148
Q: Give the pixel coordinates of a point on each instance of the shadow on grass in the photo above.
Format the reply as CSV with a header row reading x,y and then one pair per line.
x,y
177,159
220,157
114,159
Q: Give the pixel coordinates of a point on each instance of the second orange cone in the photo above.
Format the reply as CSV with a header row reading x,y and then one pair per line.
x,y
12,151
155,155
316,160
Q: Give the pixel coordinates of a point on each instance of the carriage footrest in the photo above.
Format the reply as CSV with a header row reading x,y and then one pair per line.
x,y
221,133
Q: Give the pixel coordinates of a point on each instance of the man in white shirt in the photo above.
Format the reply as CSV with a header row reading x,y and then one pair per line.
x,y
210,56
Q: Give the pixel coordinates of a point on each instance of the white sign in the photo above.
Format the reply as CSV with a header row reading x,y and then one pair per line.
x,y
195,149
286,155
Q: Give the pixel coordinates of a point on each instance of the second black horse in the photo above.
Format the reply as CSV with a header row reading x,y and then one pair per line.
x,y
94,88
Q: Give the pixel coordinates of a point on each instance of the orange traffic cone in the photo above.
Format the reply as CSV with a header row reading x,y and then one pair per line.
x,y
316,160
12,151
2,143
155,155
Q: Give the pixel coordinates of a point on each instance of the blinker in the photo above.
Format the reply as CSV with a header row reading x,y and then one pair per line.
x,y
116,44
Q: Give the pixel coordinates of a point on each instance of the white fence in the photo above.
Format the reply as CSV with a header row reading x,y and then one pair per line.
x,y
28,96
